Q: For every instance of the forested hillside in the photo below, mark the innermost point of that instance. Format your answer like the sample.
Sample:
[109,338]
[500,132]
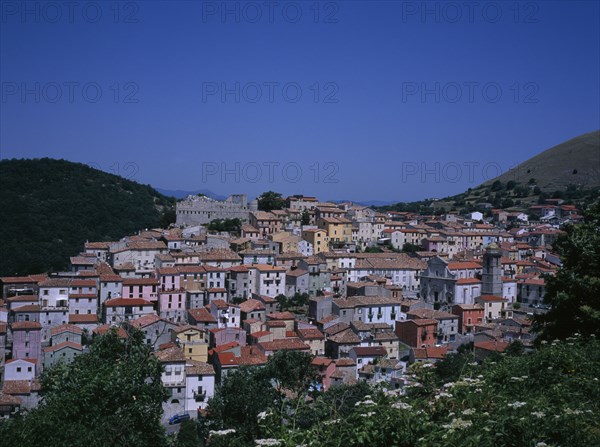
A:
[51,207]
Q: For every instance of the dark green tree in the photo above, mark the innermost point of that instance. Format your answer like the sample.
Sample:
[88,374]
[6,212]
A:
[244,394]
[188,435]
[497,185]
[373,250]
[270,200]
[574,292]
[110,396]
[305,217]
[410,248]
[283,302]
[292,370]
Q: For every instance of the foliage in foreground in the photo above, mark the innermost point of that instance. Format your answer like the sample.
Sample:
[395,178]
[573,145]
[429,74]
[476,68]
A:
[550,397]
[574,292]
[111,396]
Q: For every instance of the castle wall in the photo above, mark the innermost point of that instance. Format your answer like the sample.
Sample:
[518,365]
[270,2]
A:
[196,210]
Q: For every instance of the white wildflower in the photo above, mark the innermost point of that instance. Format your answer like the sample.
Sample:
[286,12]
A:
[267,442]
[468,412]
[538,414]
[401,406]
[333,421]
[517,404]
[364,402]
[443,394]
[541,444]
[458,424]
[221,432]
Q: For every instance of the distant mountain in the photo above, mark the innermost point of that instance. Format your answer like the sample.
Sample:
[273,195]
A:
[181,194]
[51,207]
[573,162]
[366,202]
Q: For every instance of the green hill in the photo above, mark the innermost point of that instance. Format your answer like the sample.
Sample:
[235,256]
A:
[51,207]
[568,171]
[574,162]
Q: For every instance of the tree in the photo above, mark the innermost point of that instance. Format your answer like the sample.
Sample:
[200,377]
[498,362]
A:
[110,396]
[305,217]
[301,299]
[574,292]
[291,370]
[230,225]
[269,201]
[188,435]
[410,248]
[244,394]
[283,302]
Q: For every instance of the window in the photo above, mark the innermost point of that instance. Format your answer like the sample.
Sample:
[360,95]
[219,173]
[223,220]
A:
[18,369]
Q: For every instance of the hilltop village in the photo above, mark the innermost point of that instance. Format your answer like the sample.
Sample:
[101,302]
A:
[366,293]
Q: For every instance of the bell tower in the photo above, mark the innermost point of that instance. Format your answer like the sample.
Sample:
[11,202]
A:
[491,281]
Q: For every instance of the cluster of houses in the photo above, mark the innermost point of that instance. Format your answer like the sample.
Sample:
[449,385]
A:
[210,303]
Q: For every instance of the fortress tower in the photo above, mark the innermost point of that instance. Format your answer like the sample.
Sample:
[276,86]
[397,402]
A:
[491,281]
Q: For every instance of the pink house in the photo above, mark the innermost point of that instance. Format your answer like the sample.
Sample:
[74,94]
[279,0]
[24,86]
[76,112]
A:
[27,342]
[223,336]
[168,278]
[326,367]
[171,305]
[144,288]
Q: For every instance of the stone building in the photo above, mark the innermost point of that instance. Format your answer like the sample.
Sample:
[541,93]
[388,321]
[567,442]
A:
[199,210]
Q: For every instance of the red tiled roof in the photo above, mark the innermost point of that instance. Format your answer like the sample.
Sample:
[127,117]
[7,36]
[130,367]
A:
[140,282]
[285,344]
[431,352]
[492,345]
[66,344]
[26,325]
[202,315]
[83,318]
[370,351]
[460,281]
[144,321]
[311,334]
[491,299]
[101,330]
[117,302]
[463,265]
[65,328]
[281,316]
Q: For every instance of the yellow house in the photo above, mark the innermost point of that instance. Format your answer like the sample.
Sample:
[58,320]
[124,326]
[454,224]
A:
[339,229]
[318,238]
[289,242]
[193,342]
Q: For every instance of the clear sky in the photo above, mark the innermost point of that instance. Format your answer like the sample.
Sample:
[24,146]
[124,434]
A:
[362,100]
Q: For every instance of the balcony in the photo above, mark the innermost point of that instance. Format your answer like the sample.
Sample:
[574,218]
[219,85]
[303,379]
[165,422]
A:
[199,397]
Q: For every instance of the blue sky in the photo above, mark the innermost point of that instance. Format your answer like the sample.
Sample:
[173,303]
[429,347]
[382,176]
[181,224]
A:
[363,100]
